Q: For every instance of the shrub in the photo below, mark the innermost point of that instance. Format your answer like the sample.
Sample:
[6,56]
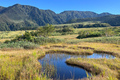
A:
[86,34]
[66,30]
[19,44]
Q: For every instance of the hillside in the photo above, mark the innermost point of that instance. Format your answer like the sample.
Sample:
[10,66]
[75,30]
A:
[68,15]
[1,8]
[18,16]
[111,19]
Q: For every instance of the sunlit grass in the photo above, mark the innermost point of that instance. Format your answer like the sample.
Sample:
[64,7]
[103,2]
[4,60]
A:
[23,64]
[66,37]
[11,34]
[106,69]
[84,23]
[20,65]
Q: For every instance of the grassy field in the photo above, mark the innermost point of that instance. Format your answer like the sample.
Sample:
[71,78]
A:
[23,64]
[84,23]
[10,34]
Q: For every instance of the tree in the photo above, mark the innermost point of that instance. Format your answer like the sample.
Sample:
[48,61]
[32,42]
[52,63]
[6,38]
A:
[67,30]
[27,36]
[45,30]
[109,32]
[82,34]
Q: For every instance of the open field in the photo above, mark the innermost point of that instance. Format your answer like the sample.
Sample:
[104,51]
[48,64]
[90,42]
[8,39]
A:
[10,34]
[71,39]
[7,35]
[22,64]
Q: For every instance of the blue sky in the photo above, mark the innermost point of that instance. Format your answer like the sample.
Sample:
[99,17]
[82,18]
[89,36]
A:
[98,6]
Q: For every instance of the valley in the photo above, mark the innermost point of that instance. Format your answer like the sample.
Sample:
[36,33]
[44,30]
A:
[38,44]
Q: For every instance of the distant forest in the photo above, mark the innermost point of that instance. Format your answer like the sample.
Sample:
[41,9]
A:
[89,25]
[113,20]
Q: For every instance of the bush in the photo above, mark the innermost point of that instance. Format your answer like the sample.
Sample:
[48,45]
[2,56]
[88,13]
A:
[66,30]
[86,34]
[27,44]
[19,44]
[118,34]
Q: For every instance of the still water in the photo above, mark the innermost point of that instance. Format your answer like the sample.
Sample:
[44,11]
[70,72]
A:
[58,67]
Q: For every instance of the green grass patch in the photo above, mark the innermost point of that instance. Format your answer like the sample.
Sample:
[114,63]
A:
[46,40]
[112,40]
[19,45]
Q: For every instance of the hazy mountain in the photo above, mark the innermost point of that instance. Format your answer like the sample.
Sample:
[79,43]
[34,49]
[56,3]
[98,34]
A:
[18,16]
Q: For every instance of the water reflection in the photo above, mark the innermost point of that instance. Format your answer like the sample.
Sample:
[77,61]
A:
[63,71]
[97,56]
[55,67]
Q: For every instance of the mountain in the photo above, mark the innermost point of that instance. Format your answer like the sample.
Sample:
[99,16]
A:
[68,15]
[18,16]
[113,20]
[1,8]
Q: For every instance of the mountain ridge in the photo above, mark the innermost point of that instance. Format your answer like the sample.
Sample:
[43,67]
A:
[113,20]
[18,16]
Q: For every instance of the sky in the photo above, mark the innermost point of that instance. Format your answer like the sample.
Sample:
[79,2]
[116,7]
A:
[58,6]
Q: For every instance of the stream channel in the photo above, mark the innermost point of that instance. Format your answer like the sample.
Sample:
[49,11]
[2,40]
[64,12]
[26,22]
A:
[55,67]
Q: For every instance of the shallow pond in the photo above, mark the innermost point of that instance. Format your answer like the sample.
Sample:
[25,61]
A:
[54,65]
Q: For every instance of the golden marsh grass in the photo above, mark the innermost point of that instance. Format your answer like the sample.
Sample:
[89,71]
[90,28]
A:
[25,62]
[21,64]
